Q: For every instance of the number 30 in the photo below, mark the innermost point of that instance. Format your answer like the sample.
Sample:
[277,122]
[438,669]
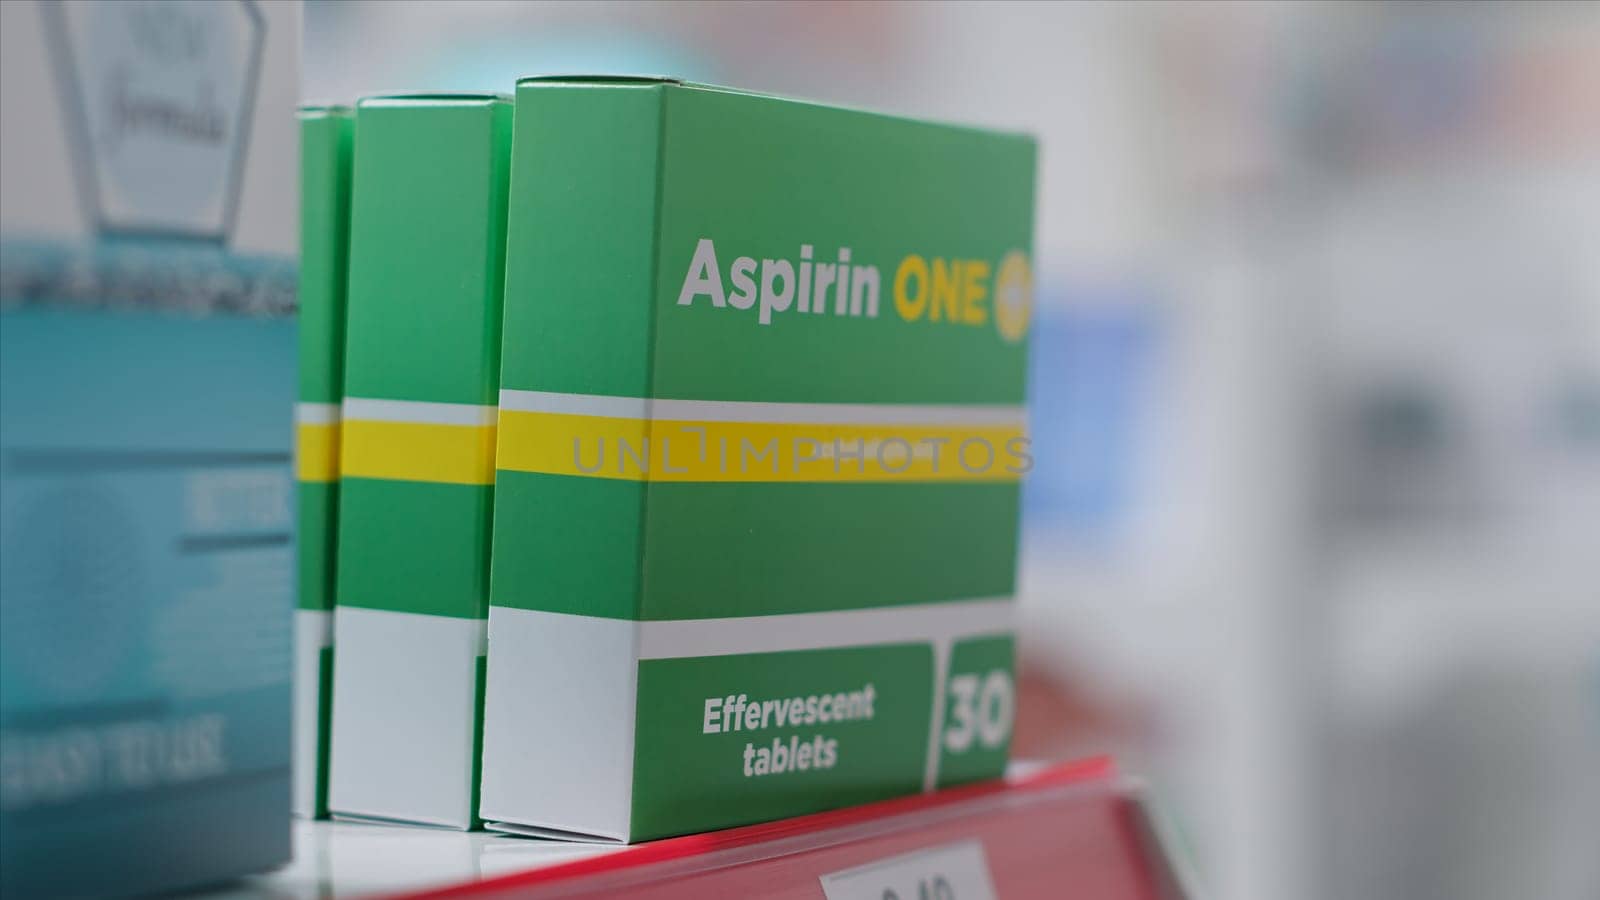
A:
[982,712]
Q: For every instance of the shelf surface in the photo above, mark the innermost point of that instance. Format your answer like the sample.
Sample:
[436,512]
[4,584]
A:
[1043,827]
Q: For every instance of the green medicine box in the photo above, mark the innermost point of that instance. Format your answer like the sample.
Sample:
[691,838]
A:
[761,440]
[325,140]
[427,243]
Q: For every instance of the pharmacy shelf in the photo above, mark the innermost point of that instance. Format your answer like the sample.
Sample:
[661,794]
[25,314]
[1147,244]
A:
[1042,830]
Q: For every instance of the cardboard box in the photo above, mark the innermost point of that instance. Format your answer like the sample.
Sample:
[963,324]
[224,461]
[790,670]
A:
[762,430]
[422,362]
[147,346]
[325,144]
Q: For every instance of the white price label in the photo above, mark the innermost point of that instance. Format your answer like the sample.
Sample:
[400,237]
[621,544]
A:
[951,872]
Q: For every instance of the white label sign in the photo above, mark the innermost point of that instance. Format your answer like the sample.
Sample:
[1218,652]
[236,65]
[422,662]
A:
[165,90]
[951,872]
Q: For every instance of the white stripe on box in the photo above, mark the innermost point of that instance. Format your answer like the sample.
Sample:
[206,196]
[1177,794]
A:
[998,415]
[316,413]
[927,622]
[419,412]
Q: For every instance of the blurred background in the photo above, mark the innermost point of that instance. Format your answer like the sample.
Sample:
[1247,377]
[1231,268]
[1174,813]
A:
[1313,541]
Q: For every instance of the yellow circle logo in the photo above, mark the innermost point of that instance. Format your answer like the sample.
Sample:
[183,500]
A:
[1013,296]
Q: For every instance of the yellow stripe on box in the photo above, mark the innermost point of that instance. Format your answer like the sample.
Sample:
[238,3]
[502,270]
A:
[418,451]
[705,451]
[316,452]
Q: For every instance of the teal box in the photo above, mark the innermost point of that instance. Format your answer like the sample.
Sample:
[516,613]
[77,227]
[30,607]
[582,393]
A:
[147,381]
